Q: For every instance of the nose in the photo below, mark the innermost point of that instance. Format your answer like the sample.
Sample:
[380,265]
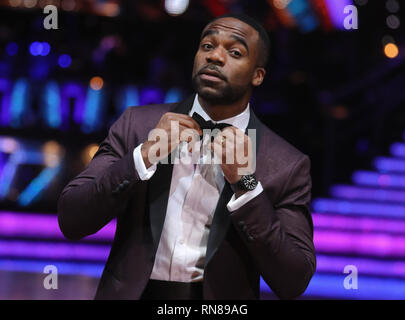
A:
[216,56]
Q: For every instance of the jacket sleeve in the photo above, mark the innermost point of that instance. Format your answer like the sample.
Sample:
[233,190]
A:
[280,237]
[100,192]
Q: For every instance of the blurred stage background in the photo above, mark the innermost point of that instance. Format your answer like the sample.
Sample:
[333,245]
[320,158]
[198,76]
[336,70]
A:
[336,94]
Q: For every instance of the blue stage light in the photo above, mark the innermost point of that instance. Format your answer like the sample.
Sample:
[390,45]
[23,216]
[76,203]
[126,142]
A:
[51,105]
[331,286]
[92,116]
[12,49]
[64,61]
[45,49]
[19,102]
[173,95]
[36,48]
[127,97]
[37,186]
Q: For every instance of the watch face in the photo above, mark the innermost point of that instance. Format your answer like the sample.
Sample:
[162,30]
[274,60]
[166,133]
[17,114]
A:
[249,182]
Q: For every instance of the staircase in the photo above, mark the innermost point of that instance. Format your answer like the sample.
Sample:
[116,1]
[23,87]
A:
[363,225]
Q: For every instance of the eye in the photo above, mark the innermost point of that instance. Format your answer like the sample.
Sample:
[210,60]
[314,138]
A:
[236,53]
[206,46]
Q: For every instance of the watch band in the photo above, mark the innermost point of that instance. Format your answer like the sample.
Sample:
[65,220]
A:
[246,183]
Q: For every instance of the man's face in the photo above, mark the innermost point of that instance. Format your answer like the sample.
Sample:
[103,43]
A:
[225,65]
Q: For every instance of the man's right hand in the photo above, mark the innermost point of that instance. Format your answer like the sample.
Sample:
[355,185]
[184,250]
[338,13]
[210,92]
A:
[172,129]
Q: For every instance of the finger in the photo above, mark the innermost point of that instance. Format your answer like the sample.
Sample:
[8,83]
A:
[186,120]
[191,136]
[218,150]
[224,138]
[187,134]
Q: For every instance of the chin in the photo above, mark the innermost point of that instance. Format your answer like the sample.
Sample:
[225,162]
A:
[210,94]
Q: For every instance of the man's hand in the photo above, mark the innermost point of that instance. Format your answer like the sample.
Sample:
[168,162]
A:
[172,129]
[234,150]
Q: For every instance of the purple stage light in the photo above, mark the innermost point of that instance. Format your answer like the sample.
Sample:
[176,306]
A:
[385,164]
[336,11]
[369,178]
[46,227]
[358,224]
[35,266]
[398,149]
[57,251]
[365,266]
[377,245]
[43,226]
[359,208]
[151,95]
[362,193]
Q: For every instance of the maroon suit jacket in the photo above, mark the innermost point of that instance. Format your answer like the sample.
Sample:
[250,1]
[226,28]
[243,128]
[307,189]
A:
[270,236]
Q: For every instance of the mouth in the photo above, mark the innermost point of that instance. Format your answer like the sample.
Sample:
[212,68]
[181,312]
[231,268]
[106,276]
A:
[211,75]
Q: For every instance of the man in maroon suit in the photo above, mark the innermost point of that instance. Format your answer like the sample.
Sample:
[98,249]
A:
[198,229]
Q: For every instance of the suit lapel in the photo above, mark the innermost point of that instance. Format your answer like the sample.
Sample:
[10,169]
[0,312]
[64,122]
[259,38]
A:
[159,184]
[221,219]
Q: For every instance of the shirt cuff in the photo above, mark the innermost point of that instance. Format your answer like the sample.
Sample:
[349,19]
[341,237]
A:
[235,204]
[143,172]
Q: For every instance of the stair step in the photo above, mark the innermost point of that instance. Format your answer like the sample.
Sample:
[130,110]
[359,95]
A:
[350,243]
[332,286]
[398,149]
[364,266]
[63,267]
[44,226]
[386,164]
[376,179]
[367,193]
[357,224]
[54,250]
[362,208]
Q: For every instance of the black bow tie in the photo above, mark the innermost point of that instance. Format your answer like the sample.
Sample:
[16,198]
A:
[204,124]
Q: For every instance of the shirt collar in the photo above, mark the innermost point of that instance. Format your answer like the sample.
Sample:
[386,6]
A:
[239,121]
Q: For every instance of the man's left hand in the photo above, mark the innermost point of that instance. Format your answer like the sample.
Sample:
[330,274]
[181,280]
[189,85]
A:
[234,150]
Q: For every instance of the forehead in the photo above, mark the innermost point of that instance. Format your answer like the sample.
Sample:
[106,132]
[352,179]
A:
[229,26]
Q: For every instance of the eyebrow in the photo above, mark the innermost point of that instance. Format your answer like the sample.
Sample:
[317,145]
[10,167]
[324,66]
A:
[210,32]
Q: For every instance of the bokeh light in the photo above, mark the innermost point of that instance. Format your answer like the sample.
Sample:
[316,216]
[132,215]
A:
[12,49]
[391,50]
[96,83]
[89,152]
[64,61]
[176,7]
[52,152]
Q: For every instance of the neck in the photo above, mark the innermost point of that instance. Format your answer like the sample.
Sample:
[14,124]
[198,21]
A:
[218,112]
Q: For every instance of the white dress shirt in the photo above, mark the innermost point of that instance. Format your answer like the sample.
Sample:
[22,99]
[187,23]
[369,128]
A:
[194,192]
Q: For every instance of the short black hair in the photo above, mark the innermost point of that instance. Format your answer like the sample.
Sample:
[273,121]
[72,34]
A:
[264,49]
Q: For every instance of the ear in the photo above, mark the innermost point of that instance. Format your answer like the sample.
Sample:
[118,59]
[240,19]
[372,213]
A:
[258,76]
